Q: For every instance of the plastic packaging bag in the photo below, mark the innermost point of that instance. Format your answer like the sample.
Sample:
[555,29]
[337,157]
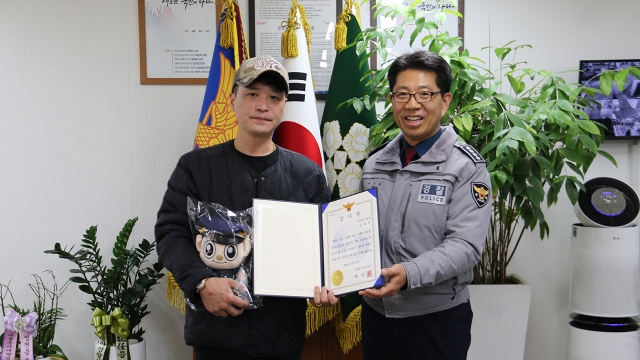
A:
[223,239]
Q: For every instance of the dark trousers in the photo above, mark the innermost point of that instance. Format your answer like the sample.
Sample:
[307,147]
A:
[217,354]
[444,335]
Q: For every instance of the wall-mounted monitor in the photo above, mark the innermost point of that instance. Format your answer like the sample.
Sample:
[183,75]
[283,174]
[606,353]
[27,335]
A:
[620,111]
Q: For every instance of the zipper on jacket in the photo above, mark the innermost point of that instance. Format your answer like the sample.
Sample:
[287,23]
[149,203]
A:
[404,213]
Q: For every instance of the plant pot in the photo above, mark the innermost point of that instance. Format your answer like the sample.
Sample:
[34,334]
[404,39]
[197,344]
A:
[137,350]
[500,319]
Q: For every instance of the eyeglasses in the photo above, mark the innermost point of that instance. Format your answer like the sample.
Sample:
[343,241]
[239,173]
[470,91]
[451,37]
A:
[421,97]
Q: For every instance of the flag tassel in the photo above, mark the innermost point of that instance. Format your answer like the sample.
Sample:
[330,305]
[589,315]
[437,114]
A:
[317,317]
[175,294]
[226,28]
[350,7]
[349,331]
[289,42]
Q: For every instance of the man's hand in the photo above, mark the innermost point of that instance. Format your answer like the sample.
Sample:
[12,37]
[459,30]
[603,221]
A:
[218,297]
[323,297]
[397,279]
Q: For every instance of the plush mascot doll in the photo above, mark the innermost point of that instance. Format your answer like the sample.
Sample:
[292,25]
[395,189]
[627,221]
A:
[223,240]
[223,248]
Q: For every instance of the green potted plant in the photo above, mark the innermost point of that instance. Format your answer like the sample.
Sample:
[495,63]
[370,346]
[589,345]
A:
[117,291]
[527,134]
[49,313]
[529,125]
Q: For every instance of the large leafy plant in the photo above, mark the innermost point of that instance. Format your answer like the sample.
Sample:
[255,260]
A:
[530,125]
[125,284]
[49,313]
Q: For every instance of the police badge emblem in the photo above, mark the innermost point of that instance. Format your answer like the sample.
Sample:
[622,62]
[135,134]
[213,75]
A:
[480,193]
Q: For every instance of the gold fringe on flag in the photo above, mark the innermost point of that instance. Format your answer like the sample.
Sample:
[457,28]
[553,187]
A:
[228,29]
[350,7]
[349,331]
[175,294]
[306,26]
[317,317]
[289,44]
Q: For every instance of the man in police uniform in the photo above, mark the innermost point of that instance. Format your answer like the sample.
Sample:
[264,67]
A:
[435,201]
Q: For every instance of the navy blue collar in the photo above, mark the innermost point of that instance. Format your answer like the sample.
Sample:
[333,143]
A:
[422,147]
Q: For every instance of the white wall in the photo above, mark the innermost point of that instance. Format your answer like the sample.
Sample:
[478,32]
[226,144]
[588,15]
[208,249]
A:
[83,143]
[561,33]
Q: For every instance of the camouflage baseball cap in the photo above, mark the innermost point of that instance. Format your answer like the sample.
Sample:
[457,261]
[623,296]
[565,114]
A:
[251,68]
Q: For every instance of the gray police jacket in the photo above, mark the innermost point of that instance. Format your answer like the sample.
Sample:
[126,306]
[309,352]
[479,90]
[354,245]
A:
[434,217]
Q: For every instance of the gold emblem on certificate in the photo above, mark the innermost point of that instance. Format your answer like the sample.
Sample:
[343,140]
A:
[337,277]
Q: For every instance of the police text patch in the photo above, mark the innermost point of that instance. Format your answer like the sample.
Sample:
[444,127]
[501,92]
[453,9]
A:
[432,193]
[480,193]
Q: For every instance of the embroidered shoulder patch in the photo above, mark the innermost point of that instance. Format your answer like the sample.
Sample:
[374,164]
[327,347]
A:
[480,193]
[472,153]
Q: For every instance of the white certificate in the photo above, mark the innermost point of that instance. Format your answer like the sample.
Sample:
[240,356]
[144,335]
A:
[299,246]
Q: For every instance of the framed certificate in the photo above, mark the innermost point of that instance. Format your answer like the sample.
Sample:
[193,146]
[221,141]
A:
[266,18]
[298,246]
[176,40]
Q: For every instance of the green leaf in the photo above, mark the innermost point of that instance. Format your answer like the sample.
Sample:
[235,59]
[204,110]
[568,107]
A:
[608,157]
[78,280]
[606,80]
[572,190]
[474,105]
[588,143]
[589,126]
[516,85]
[565,105]
[621,79]
[554,189]
[358,105]
[86,289]
[523,135]
[575,168]
[515,119]
[502,52]
[467,122]
[538,189]
[507,99]
[561,118]
[501,176]
[544,163]
[571,155]
[414,35]
[519,187]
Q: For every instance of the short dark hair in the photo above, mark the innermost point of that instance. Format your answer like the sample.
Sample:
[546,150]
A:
[269,78]
[422,60]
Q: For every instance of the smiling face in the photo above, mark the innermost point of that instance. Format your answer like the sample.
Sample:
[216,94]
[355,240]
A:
[220,256]
[259,109]
[419,121]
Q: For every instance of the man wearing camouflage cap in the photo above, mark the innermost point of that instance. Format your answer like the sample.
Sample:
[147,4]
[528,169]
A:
[232,174]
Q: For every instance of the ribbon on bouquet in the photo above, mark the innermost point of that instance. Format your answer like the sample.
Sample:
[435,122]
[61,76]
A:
[14,326]
[119,326]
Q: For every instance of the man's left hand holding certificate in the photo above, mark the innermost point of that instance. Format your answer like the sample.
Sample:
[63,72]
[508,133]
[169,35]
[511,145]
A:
[298,246]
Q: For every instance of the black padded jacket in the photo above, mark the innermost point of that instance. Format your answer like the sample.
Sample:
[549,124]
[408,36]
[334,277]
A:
[217,174]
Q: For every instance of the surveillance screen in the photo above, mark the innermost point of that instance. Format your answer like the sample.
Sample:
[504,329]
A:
[620,111]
